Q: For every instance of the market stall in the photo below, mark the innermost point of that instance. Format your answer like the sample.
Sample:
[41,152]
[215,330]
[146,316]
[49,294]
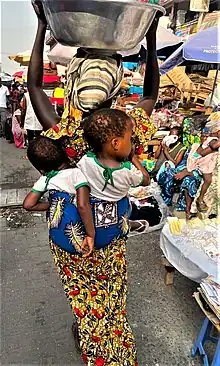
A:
[191,247]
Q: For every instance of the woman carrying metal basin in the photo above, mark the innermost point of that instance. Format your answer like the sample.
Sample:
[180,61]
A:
[102,329]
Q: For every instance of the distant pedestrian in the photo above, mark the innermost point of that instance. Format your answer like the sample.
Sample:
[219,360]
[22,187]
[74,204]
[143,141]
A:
[15,95]
[17,126]
[59,91]
[31,124]
[4,96]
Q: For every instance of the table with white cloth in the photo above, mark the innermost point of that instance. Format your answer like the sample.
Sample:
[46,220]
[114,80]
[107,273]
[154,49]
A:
[193,252]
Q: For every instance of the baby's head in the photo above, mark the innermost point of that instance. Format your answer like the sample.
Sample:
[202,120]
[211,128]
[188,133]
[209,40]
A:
[176,131]
[46,154]
[109,131]
[167,165]
[205,134]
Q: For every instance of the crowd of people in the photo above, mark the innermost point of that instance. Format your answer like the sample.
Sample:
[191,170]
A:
[88,160]
[18,122]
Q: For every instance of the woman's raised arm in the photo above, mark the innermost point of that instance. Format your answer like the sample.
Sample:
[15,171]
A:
[152,77]
[41,104]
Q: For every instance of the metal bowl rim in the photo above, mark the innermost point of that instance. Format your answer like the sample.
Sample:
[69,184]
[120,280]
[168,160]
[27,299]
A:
[132,3]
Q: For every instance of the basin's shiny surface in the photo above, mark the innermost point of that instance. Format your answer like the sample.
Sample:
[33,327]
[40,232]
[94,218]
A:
[103,24]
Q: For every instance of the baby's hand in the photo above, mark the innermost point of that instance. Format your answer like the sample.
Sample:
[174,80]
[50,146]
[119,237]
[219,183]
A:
[87,246]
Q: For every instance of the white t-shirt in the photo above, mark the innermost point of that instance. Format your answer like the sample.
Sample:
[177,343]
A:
[31,122]
[107,183]
[4,93]
[67,180]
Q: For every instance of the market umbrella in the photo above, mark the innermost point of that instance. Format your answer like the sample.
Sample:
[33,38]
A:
[23,58]
[47,79]
[201,47]
[19,74]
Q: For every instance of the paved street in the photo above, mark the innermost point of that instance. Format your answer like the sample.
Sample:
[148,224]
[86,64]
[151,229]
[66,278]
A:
[36,319]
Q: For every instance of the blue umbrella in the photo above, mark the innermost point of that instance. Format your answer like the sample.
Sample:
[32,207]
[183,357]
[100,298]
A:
[201,47]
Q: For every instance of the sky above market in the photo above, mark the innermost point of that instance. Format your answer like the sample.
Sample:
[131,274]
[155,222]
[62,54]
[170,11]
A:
[18,26]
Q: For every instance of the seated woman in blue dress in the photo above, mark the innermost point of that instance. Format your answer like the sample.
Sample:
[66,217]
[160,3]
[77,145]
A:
[189,183]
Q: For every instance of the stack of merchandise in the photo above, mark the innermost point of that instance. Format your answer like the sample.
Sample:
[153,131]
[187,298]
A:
[210,291]
[208,298]
[132,82]
[165,117]
[203,85]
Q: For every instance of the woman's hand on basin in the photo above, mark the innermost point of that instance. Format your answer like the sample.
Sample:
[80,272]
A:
[39,10]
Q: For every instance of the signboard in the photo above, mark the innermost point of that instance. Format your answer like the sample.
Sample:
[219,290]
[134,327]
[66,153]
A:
[201,6]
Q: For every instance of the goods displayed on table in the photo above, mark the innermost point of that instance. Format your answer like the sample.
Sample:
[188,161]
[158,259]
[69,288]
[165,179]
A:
[203,234]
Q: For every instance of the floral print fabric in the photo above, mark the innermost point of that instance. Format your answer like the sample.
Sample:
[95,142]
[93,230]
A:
[143,131]
[70,132]
[96,289]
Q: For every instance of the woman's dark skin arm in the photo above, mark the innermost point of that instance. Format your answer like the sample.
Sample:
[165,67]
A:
[152,77]
[19,120]
[178,158]
[184,173]
[41,104]
[23,110]
[158,151]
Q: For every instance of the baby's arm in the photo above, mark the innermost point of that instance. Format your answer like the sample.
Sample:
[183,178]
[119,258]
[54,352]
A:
[137,178]
[81,185]
[32,202]
[213,146]
[85,211]
[136,162]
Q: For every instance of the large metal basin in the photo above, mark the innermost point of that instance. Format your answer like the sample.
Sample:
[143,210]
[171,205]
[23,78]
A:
[103,24]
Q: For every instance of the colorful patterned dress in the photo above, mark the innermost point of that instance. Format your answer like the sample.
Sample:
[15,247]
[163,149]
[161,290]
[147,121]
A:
[96,287]
[190,183]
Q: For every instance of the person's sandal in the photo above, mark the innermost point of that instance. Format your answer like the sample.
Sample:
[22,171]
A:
[75,332]
[190,216]
[143,226]
[201,206]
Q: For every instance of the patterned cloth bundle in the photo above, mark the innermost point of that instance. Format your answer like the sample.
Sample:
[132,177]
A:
[93,78]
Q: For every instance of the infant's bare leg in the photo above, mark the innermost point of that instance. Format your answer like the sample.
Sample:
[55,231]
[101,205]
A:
[207,181]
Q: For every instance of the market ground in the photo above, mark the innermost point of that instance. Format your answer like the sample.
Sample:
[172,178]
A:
[35,317]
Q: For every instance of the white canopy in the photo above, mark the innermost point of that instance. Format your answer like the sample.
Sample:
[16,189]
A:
[165,38]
